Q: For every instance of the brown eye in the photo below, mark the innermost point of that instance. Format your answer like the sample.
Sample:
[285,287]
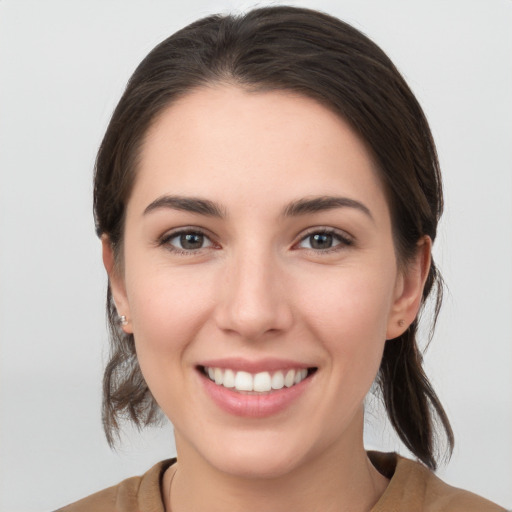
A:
[324,240]
[192,241]
[321,241]
[188,241]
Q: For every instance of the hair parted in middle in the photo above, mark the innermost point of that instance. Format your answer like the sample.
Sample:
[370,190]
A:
[321,57]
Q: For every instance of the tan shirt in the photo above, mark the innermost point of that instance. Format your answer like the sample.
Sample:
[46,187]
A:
[412,488]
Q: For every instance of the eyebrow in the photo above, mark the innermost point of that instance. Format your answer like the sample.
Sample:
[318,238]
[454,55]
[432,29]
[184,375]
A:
[187,204]
[322,203]
[293,209]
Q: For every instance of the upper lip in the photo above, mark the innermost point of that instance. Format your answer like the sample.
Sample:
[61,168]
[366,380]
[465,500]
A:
[254,366]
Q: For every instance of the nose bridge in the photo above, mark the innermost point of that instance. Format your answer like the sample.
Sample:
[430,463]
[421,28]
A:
[253,301]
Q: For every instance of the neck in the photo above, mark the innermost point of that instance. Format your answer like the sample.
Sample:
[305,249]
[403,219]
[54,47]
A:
[337,480]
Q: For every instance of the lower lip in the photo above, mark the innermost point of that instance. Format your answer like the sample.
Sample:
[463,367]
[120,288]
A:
[254,406]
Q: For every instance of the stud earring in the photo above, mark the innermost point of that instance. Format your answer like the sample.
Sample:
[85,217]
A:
[122,320]
[401,322]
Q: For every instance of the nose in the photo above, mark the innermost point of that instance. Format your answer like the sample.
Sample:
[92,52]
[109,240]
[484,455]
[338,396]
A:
[254,301]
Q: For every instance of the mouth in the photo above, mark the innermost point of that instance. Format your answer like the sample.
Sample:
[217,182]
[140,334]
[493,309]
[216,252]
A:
[261,383]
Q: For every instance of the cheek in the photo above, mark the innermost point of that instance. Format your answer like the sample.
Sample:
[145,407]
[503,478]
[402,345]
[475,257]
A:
[349,315]
[167,309]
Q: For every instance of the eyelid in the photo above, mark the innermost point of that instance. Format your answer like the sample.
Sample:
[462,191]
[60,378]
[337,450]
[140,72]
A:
[164,239]
[342,236]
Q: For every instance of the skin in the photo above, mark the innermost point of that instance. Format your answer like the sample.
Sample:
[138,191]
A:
[256,288]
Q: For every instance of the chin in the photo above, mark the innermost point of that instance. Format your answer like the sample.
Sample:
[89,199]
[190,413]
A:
[265,456]
[257,465]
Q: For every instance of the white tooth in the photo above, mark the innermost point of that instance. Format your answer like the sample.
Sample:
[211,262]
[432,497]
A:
[229,379]
[243,381]
[304,373]
[298,377]
[277,380]
[218,376]
[211,373]
[290,377]
[262,382]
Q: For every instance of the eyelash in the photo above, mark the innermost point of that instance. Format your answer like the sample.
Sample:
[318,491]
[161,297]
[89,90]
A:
[166,239]
[340,237]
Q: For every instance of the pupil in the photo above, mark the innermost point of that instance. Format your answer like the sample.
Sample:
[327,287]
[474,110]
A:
[321,241]
[191,241]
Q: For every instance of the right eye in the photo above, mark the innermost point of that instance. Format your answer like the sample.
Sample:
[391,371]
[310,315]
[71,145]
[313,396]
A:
[187,241]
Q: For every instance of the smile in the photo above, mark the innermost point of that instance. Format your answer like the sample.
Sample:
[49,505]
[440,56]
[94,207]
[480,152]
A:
[261,382]
[255,388]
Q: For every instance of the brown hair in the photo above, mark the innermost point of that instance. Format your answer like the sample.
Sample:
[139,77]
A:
[316,55]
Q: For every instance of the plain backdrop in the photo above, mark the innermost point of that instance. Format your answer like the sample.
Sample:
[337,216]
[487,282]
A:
[63,66]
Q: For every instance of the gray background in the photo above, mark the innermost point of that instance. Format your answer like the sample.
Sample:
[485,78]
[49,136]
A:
[63,66]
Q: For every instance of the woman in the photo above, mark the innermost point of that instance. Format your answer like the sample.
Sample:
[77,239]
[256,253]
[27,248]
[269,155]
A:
[267,194]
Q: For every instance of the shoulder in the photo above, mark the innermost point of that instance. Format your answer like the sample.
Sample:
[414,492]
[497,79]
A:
[130,495]
[414,488]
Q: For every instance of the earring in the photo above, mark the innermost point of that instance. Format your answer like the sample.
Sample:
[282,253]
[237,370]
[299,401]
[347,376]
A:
[401,322]
[122,320]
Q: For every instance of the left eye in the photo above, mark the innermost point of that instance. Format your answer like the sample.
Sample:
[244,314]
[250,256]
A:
[188,241]
[323,240]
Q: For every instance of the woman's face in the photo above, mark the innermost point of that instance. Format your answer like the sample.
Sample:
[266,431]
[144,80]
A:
[260,278]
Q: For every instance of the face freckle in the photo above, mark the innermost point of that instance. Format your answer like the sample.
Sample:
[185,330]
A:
[268,243]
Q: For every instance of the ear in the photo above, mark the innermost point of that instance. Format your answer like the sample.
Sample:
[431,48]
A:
[116,282]
[409,290]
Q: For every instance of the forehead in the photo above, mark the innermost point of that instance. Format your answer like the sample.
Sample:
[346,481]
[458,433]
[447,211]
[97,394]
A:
[280,144]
